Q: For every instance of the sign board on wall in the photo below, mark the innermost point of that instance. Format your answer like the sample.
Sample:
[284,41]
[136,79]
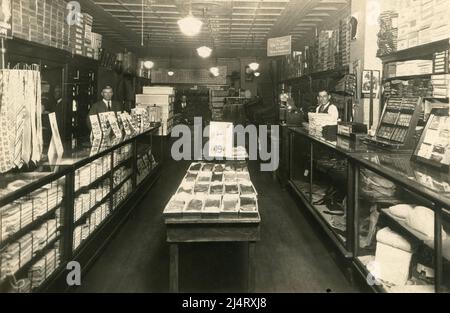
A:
[5,19]
[279,46]
[190,76]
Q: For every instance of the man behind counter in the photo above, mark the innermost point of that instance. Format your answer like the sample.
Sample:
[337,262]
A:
[105,105]
[325,105]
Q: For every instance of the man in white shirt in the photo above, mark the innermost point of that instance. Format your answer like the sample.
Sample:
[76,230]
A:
[325,105]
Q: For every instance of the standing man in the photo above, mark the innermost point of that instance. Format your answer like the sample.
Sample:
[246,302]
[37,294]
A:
[325,105]
[105,105]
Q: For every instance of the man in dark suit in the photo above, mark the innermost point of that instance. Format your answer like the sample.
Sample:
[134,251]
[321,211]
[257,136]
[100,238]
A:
[105,105]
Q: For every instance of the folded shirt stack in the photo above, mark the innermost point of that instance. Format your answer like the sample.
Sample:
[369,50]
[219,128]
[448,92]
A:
[10,217]
[43,268]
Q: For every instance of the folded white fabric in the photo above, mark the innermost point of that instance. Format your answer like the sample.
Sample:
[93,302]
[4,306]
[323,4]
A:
[401,211]
[421,219]
[390,238]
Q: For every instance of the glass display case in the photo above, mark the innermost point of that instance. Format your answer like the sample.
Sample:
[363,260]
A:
[67,208]
[396,222]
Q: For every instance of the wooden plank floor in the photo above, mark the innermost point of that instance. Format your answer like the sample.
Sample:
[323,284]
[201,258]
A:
[291,256]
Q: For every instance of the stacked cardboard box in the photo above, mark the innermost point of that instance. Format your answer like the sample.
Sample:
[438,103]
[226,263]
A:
[422,22]
[441,86]
[388,35]
[344,42]
[97,42]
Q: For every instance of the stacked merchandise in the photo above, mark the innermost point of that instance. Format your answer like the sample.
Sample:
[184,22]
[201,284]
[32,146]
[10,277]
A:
[422,21]
[215,190]
[162,97]
[346,85]
[97,42]
[324,43]
[77,36]
[441,61]
[388,35]
[217,102]
[121,174]
[88,50]
[318,121]
[22,212]
[293,65]
[417,87]
[122,194]
[141,118]
[410,68]
[87,200]
[41,21]
[21,142]
[122,154]
[91,172]
[82,232]
[441,86]
[344,43]
[45,267]
[19,253]
[145,164]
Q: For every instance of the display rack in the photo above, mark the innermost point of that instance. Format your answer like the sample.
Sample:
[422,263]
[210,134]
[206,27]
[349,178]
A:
[376,181]
[100,217]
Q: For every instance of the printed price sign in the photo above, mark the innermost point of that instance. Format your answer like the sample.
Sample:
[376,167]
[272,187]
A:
[279,46]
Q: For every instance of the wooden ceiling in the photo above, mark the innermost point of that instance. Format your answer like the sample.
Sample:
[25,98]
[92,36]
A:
[231,27]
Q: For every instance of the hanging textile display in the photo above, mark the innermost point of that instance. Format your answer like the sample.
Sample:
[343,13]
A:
[21,141]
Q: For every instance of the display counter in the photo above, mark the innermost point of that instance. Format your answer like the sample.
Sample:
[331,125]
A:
[382,211]
[67,208]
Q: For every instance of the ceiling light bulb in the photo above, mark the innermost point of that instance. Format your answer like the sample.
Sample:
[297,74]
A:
[214,70]
[254,66]
[170,73]
[257,74]
[190,25]
[204,52]
[149,65]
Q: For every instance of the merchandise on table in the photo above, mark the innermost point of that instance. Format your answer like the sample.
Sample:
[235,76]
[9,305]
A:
[216,189]
[230,206]
[176,206]
[212,206]
[194,207]
[231,188]
[248,206]
[201,188]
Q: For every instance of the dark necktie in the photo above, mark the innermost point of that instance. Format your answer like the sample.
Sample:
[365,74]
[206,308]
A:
[109,105]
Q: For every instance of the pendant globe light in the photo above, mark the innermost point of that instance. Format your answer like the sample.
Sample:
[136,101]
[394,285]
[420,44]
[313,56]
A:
[204,52]
[254,66]
[190,25]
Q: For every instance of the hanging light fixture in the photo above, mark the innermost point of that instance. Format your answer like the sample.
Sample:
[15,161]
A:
[204,52]
[254,66]
[257,74]
[149,64]
[214,71]
[170,73]
[190,25]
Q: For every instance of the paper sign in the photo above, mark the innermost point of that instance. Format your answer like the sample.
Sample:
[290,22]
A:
[96,133]
[114,124]
[125,123]
[220,140]
[104,124]
[56,148]
[96,144]
[279,46]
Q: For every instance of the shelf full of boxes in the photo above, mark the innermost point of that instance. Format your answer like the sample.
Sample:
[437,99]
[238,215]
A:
[158,101]
[45,223]
[45,22]
[415,49]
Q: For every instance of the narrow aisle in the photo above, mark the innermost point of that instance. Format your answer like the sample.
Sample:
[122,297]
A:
[290,257]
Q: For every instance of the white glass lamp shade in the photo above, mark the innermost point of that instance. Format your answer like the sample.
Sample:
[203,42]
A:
[204,52]
[214,71]
[254,66]
[149,65]
[170,73]
[190,25]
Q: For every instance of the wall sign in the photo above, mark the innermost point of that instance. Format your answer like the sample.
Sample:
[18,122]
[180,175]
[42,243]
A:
[279,46]
[5,19]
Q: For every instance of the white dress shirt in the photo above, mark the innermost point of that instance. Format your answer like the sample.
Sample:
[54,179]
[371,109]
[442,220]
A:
[108,104]
[332,110]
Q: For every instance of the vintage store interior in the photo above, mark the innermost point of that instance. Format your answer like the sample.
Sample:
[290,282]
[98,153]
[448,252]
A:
[342,185]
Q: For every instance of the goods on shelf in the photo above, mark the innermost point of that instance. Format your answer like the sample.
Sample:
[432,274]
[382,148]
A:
[416,87]
[19,253]
[22,212]
[91,172]
[121,174]
[214,190]
[82,232]
[217,102]
[122,194]
[122,154]
[45,267]
[441,62]
[85,201]
[388,35]
[145,164]
[21,142]
[441,86]
[163,98]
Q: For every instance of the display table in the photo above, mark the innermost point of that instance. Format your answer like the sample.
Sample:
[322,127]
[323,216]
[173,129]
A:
[188,230]
[214,203]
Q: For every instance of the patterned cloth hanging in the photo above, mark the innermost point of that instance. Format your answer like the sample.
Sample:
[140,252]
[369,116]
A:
[20,118]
